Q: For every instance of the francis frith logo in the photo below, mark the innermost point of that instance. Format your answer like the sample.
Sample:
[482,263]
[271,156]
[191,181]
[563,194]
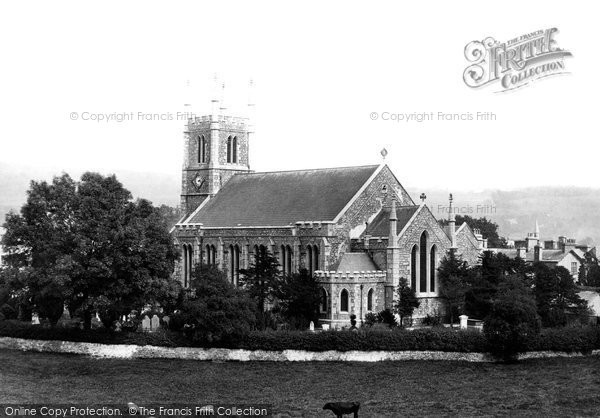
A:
[514,63]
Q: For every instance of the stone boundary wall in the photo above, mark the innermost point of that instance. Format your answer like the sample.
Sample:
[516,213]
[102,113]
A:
[224,354]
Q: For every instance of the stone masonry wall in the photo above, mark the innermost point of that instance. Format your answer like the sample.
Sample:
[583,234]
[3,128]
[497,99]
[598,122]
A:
[378,194]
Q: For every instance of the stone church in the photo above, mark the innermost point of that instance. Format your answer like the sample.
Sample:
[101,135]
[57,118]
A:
[355,228]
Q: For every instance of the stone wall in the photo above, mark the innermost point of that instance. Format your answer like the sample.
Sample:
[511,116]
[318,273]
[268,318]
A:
[377,194]
[335,282]
[223,354]
[468,245]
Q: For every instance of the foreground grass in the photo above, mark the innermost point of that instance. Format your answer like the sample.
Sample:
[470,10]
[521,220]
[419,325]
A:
[554,387]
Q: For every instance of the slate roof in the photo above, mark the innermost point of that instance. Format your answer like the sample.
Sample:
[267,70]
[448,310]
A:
[550,256]
[356,262]
[380,226]
[283,198]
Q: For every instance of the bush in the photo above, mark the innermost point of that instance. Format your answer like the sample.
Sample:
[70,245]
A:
[8,311]
[439,339]
[18,329]
[370,319]
[387,317]
[567,339]
[432,320]
[218,312]
[512,323]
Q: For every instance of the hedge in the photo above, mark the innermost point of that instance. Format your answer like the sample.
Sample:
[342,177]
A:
[567,339]
[434,339]
[18,329]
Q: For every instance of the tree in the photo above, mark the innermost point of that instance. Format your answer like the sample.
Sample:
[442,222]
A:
[487,228]
[215,311]
[589,271]
[492,270]
[556,295]
[299,298]
[453,275]
[263,282]
[91,244]
[407,300]
[513,320]
[592,277]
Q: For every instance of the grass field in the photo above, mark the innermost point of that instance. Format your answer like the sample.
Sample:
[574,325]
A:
[554,387]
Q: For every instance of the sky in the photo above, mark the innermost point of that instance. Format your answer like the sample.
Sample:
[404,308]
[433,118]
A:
[320,70]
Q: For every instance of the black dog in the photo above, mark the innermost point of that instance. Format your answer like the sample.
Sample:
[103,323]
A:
[343,408]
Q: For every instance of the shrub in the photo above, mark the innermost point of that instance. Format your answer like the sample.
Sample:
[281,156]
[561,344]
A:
[217,313]
[407,301]
[439,339]
[8,311]
[567,339]
[432,320]
[512,323]
[387,317]
[370,319]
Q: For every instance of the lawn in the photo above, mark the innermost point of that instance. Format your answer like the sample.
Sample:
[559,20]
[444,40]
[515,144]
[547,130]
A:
[554,387]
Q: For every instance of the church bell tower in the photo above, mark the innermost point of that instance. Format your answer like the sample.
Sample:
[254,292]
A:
[215,148]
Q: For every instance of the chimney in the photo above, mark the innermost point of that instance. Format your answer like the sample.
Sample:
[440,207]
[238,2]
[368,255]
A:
[538,253]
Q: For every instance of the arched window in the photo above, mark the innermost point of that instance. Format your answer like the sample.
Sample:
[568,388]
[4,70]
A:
[312,258]
[370,300]
[234,263]
[423,263]
[323,304]
[286,259]
[259,251]
[229,149]
[282,258]
[413,268]
[211,255]
[432,268]
[186,263]
[234,150]
[202,157]
[344,301]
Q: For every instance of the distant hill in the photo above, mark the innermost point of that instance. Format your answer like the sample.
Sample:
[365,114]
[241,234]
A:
[570,211]
[573,212]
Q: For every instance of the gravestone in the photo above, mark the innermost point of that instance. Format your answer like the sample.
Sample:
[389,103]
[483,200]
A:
[155,325]
[96,322]
[146,323]
[312,326]
[166,320]
[35,319]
